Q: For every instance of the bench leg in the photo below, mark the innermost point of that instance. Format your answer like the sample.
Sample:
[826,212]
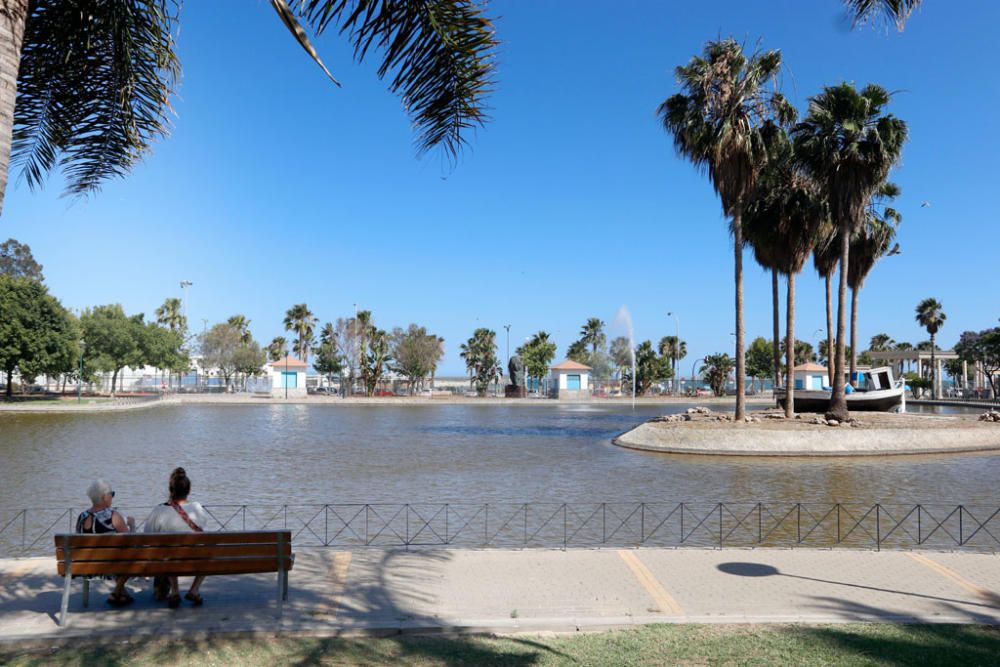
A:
[86,592]
[65,598]
[284,591]
[281,591]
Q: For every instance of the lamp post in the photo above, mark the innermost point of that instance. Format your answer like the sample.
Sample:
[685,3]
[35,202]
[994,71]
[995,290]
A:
[676,350]
[818,331]
[507,360]
[79,378]
[284,378]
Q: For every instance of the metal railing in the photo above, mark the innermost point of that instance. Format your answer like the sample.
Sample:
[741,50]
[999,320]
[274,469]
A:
[29,532]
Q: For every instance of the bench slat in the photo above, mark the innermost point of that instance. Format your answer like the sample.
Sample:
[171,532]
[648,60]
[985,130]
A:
[169,539]
[84,554]
[179,567]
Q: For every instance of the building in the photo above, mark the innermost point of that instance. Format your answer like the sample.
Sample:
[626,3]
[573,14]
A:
[811,376]
[288,377]
[570,380]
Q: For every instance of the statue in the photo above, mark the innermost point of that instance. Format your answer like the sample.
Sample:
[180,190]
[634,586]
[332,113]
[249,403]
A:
[515,368]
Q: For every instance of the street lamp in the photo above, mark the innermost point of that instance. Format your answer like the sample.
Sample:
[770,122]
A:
[507,360]
[676,349]
[79,379]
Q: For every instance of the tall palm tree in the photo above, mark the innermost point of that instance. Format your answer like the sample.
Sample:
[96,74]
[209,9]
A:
[300,321]
[241,324]
[848,144]
[94,80]
[784,217]
[592,334]
[881,343]
[873,242]
[826,256]
[715,123]
[763,251]
[673,349]
[877,11]
[931,317]
[169,314]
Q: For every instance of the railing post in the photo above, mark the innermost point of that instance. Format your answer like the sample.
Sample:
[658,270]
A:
[524,541]
[406,544]
[642,524]
[838,523]
[798,523]
[565,529]
[486,526]
[920,538]
[760,523]
[878,527]
[720,525]
[961,533]
[326,525]
[682,523]
[24,529]
[367,507]
[447,540]
[244,517]
[604,523]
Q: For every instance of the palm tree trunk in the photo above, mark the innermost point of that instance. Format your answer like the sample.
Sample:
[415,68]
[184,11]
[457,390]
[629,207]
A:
[741,367]
[838,400]
[776,321]
[854,334]
[13,16]
[10,384]
[934,373]
[790,348]
[829,322]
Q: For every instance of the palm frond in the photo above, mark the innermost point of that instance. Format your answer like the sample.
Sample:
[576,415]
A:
[94,88]
[439,55]
[876,12]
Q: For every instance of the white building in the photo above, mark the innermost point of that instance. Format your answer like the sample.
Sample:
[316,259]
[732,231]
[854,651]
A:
[811,376]
[570,380]
[288,377]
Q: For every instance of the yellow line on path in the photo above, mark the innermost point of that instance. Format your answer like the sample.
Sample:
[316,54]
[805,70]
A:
[954,577]
[663,599]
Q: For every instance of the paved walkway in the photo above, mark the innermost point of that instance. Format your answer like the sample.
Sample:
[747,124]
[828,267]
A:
[387,592]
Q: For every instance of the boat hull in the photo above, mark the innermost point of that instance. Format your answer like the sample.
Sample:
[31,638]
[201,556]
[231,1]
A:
[819,401]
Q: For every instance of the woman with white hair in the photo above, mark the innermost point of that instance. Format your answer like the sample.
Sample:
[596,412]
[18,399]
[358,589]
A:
[102,518]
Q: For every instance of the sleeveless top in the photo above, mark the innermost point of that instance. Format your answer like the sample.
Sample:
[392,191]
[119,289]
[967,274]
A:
[100,522]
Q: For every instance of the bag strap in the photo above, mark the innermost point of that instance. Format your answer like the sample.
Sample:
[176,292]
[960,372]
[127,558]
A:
[184,515]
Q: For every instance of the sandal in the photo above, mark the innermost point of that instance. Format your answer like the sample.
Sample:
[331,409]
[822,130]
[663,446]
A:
[174,601]
[195,598]
[120,600]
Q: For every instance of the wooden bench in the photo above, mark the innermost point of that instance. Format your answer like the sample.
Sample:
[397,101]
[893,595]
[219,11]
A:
[173,554]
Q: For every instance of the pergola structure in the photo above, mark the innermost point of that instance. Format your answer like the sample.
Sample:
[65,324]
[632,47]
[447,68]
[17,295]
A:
[922,357]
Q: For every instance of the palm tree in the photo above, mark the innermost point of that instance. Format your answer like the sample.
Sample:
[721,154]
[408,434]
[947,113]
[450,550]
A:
[848,144]
[877,11]
[673,349]
[931,317]
[873,242]
[169,315]
[592,334]
[300,321]
[784,217]
[715,123]
[763,253]
[480,355]
[881,343]
[826,256]
[94,80]
[241,324]
[277,348]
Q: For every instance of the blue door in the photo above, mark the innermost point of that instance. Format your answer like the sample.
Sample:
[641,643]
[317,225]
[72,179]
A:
[289,380]
[573,382]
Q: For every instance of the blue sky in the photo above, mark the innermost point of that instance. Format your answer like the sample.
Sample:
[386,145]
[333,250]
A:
[277,188]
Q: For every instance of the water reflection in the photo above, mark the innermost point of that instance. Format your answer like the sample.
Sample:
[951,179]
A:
[448,453]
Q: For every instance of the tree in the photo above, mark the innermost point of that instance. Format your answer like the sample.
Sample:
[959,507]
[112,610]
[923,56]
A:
[241,324]
[881,343]
[804,352]
[826,256]
[760,360]
[95,79]
[716,370]
[169,315]
[16,259]
[37,335]
[415,353]
[578,352]
[113,340]
[480,355]
[848,144]
[348,337]
[219,348]
[592,334]
[538,353]
[300,321]
[622,355]
[162,348]
[982,348]
[649,368]
[328,361]
[877,12]
[873,242]
[248,360]
[784,216]
[375,356]
[277,348]
[715,123]
[674,349]
[930,316]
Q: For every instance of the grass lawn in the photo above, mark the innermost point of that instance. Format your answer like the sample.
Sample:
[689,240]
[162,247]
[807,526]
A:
[857,644]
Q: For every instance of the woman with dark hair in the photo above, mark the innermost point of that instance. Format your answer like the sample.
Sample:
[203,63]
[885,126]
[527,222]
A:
[178,516]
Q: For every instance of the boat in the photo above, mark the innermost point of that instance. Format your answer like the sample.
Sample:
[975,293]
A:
[876,390]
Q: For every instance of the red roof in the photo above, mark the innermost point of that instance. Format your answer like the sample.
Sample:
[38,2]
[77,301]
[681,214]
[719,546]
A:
[290,362]
[570,365]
